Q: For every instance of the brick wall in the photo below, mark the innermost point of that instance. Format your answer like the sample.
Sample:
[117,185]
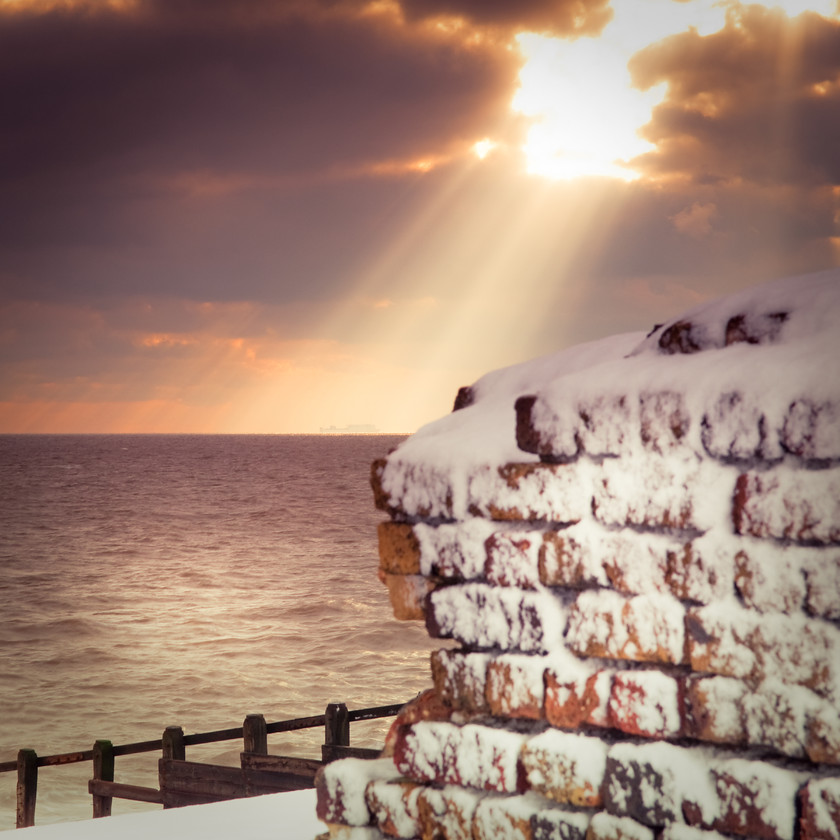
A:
[644,615]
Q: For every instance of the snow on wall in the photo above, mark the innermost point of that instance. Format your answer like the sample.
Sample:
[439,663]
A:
[634,546]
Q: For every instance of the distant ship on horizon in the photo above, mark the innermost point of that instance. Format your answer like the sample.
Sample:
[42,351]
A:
[357,429]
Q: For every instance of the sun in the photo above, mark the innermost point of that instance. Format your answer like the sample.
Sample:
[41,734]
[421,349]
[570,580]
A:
[585,113]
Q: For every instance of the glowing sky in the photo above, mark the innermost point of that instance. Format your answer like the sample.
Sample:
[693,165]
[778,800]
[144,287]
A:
[276,215]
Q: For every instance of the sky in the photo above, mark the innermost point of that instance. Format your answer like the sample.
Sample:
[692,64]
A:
[272,216]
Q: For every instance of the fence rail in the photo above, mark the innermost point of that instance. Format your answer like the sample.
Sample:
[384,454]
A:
[183,782]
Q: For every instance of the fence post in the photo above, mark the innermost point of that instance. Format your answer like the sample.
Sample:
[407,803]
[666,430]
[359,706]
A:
[256,736]
[337,728]
[103,769]
[27,787]
[173,743]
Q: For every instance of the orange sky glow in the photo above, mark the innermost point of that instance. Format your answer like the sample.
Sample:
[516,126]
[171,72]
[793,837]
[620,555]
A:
[306,214]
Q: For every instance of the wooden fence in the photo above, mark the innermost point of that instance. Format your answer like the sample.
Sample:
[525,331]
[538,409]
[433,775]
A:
[183,782]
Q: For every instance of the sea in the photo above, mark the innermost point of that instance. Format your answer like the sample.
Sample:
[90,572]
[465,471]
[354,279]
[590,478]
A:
[157,580]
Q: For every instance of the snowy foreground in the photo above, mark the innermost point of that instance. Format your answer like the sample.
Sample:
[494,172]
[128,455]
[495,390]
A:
[290,816]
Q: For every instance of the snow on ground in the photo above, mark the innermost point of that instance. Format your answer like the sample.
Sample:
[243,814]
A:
[290,816]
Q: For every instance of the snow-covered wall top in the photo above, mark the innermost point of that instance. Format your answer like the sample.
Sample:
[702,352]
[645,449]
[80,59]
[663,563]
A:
[635,545]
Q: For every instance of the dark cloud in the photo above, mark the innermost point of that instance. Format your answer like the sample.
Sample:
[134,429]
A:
[107,115]
[757,101]
[556,17]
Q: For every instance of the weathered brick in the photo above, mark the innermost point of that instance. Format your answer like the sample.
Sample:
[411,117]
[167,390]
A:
[678,494]
[529,492]
[427,705]
[340,789]
[769,578]
[408,595]
[820,817]
[557,824]
[732,641]
[605,826]
[515,685]
[399,551]
[645,628]
[812,429]
[472,755]
[566,768]
[675,831]
[460,679]
[755,799]
[775,716]
[608,425]
[447,814]
[513,559]
[665,421]
[576,693]
[454,550]
[785,503]
[639,564]
[735,428]
[645,703]
[414,489]
[394,807]
[712,710]
[482,616]
[656,783]
[822,735]
[541,431]
[568,558]
[505,817]
[720,640]
[822,579]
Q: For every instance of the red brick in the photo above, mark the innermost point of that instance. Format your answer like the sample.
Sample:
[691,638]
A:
[567,558]
[482,616]
[774,716]
[644,628]
[735,642]
[822,735]
[399,551]
[712,710]
[735,428]
[504,818]
[665,421]
[529,492]
[394,807]
[607,425]
[769,578]
[822,581]
[454,550]
[661,493]
[820,817]
[471,756]
[656,783]
[340,789]
[645,703]
[638,564]
[447,814]
[565,767]
[460,679]
[755,799]
[609,827]
[512,559]
[577,695]
[785,503]
[427,705]
[515,685]
[812,430]
[558,824]
[408,595]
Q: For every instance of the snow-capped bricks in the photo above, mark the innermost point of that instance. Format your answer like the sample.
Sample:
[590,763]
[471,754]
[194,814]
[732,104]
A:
[633,548]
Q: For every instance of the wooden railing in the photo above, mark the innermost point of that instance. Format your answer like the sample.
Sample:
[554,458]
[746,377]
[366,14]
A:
[183,782]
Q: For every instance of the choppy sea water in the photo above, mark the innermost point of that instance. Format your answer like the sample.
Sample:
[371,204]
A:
[154,580]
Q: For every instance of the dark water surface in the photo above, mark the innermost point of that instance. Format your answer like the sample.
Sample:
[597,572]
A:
[150,580]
